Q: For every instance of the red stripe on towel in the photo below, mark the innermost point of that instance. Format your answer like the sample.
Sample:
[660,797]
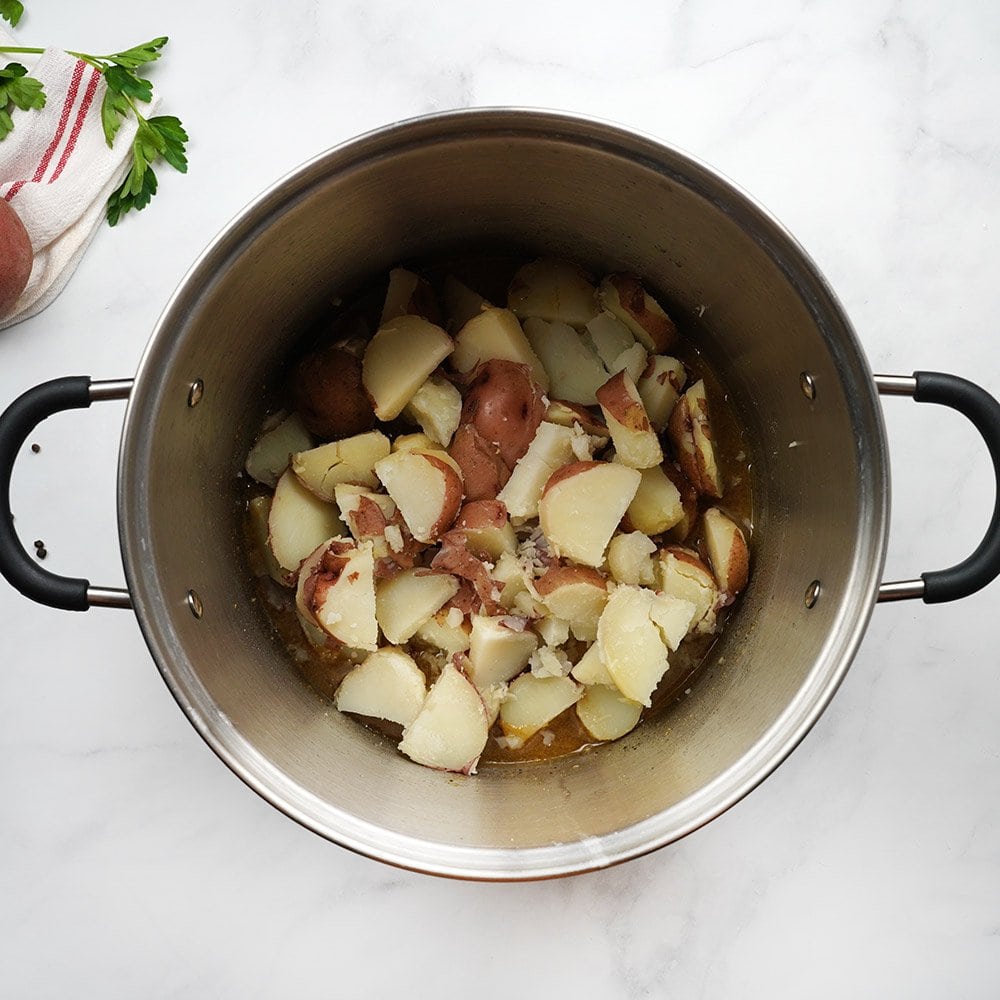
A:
[43,164]
[88,98]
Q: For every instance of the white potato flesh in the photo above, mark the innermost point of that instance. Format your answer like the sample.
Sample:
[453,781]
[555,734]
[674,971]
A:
[406,601]
[631,645]
[298,523]
[413,442]
[624,297]
[630,559]
[273,450]
[387,685]
[631,360]
[461,303]
[440,632]
[398,360]
[610,337]
[673,617]
[260,512]
[576,594]
[493,698]
[606,713]
[495,334]
[656,506]
[426,489]
[497,652]
[636,443]
[437,408]
[450,731]
[575,371]
[350,460]
[659,387]
[552,289]
[533,702]
[550,449]
[590,668]
[582,505]
[336,590]
[407,293]
[682,574]
[554,631]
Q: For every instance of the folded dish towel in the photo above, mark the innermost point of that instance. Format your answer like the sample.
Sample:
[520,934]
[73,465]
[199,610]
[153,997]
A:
[57,172]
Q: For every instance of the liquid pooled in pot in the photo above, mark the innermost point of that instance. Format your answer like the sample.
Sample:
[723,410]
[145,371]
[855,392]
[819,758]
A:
[502,511]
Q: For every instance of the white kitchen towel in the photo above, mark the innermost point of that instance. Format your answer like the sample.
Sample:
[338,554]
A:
[57,171]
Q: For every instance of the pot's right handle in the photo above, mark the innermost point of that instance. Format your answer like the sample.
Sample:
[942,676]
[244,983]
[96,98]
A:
[16,423]
[983,566]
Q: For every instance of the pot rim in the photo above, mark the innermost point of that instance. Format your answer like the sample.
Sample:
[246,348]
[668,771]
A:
[710,801]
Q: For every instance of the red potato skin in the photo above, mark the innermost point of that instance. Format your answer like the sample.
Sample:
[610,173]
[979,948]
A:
[587,420]
[632,297]
[15,258]
[370,522]
[626,408]
[482,514]
[504,403]
[567,472]
[485,473]
[329,395]
[679,429]
[453,495]
[454,557]
[564,576]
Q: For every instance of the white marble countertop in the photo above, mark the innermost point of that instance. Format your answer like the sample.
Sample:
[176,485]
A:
[133,864]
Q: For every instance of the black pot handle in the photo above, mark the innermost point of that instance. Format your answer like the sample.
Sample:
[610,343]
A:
[974,402]
[16,423]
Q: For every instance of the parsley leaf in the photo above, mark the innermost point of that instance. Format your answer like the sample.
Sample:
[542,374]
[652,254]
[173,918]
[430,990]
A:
[125,82]
[174,137]
[19,90]
[114,109]
[11,10]
[139,55]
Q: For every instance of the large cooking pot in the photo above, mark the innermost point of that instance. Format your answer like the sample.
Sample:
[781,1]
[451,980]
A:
[531,182]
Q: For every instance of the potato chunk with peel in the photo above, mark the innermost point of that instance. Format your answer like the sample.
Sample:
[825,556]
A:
[590,668]
[681,573]
[495,334]
[461,303]
[497,650]
[450,731]
[550,449]
[437,407]
[259,509]
[533,702]
[631,644]
[553,290]
[630,559]
[406,601]
[656,506]
[691,434]
[418,441]
[298,523]
[575,371]
[624,297]
[606,713]
[659,388]
[487,529]
[273,450]
[635,441]
[350,460]
[387,685]
[336,590]
[408,295]
[632,361]
[727,551]
[567,414]
[582,505]
[576,594]
[426,488]
[398,360]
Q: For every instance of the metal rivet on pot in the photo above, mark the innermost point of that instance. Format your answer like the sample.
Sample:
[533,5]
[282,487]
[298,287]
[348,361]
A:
[808,385]
[812,593]
[194,604]
[196,391]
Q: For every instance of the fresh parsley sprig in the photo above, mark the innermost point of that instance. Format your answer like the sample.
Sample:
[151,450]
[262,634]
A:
[158,138]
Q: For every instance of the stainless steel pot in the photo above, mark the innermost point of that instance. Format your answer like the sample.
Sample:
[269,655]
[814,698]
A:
[533,181]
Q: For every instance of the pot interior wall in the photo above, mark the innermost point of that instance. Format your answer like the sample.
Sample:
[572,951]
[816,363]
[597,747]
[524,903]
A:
[611,201]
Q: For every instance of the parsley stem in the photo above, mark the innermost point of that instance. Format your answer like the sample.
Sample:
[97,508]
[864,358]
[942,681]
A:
[21,48]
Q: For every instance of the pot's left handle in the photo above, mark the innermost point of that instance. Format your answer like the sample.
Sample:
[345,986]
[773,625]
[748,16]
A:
[16,423]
